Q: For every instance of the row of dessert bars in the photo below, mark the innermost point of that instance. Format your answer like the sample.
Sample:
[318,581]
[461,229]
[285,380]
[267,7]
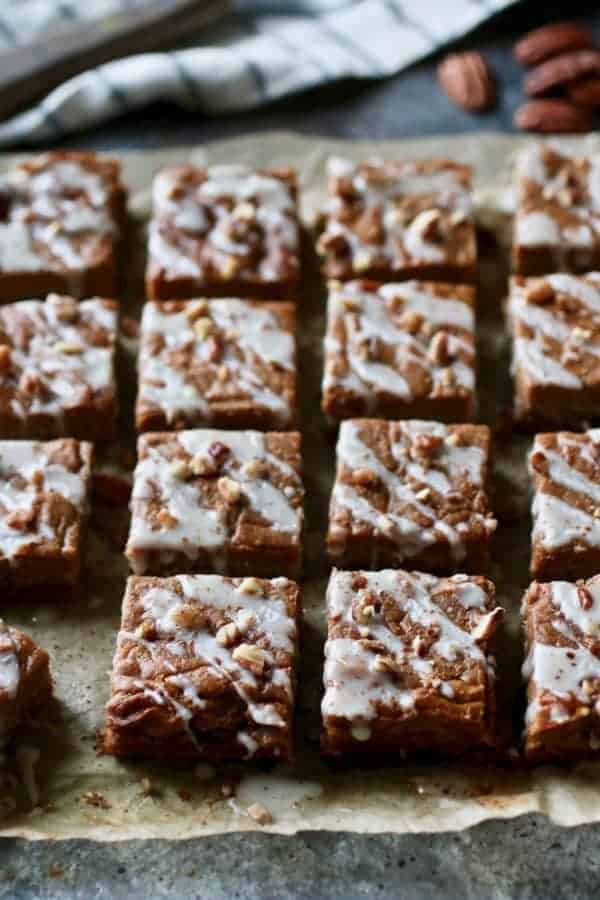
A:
[205,665]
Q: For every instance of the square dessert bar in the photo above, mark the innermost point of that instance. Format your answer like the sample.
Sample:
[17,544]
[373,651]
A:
[413,492]
[555,324]
[557,223]
[57,368]
[25,682]
[561,622]
[205,668]
[390,221]
[61,217]
[226,363]
[408,664]
[217,501]
[44,500]
[566,508]
[400,351]
[224,231]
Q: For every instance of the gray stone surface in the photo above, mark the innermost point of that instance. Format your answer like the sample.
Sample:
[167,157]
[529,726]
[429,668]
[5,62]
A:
[519,858]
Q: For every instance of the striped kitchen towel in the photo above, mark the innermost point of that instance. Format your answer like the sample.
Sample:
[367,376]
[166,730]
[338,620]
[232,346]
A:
[262,51]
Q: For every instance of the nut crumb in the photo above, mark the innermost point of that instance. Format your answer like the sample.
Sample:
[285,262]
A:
[149,788]
[250,586]
[95,798]
[260,814]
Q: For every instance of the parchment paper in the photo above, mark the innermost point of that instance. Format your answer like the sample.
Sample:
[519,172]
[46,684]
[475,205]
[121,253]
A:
[82,795]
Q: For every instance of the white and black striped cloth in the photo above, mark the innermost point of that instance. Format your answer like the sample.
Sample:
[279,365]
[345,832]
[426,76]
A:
[263,51]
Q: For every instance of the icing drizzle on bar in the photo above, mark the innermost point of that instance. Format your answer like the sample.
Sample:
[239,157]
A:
[390,214]
[58,213]
[31,473]
[183,640]
[373,667]
[566,505]
[57,354]
[566,672]
[191,518]
[400,339]
[419,487]
[223,221]
[559,199]
[556,325]
[227,359]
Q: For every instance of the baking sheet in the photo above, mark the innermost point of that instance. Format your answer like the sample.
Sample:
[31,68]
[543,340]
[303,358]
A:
[78,794]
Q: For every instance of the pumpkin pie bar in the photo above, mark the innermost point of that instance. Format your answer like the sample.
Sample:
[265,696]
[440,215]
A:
[57,368]
[61,219]
[408,663]
[391,221]
[205,668]
[566,505]
[44,500]
[400,351]
[557,223]
[217,501]
[224,231]
[223,363]
[411,492]
[561,622]
[25,681]
[555,322]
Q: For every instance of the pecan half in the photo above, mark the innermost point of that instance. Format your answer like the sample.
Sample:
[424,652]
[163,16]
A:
[467,81]
[551,40]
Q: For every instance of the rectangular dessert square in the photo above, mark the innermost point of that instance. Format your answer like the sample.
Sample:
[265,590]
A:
[205,668]
[411,491]
[57,368]
[224,231]
[44,502]
[217,501]
[408,664]
[555,323]
[61,217]
[400,351]
[557,222]
[561,622]
[565,467]
[390,221]
[25,682]
[224,363]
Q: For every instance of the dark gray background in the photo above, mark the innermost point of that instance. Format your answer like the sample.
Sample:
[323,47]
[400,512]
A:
[524,858]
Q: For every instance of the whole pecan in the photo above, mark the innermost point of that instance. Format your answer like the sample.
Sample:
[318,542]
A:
[553,117]
[561,70]
[467,81]
[550,40]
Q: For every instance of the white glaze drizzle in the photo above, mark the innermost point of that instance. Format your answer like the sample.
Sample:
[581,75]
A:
[257,335]
[355,688]
[534,356]
[450,464]
[182,203]
[562,670]
[537,227]
[556,521]
[20,461]
[403,242]
[66,377]
[196,525]
[369,316]
[269,620]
